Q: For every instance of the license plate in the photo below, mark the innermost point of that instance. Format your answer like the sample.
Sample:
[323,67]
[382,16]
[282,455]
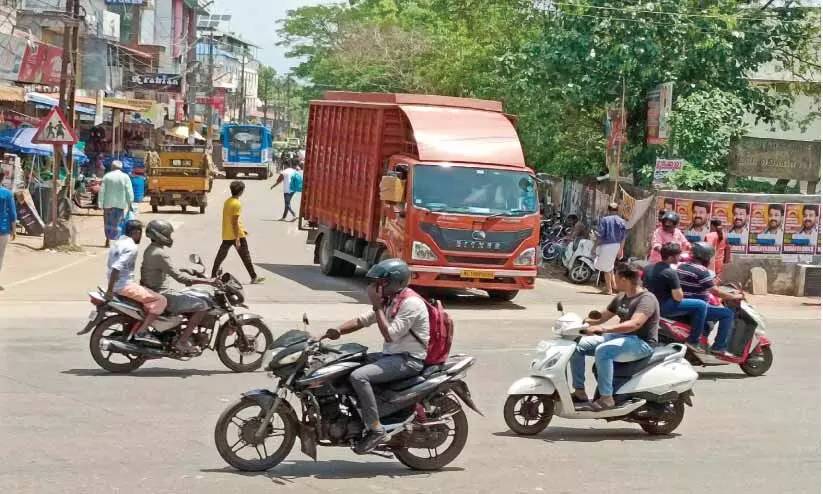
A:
[483,275]
[176,196]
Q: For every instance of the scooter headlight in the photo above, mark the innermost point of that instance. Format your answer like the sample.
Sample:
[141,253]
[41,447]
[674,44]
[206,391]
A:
[526,258]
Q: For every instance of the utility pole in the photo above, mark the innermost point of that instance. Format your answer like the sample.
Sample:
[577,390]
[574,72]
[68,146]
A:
[243,87]
[288,106]
[265,99]
[210,102]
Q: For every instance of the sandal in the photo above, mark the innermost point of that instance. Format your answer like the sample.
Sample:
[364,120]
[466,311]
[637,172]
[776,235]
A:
[599,406]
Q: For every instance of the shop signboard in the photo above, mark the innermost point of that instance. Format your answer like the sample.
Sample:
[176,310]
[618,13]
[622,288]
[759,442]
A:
[775,158]
[157,82]
[665,167]
[41,64]
[659,105]
[11,56]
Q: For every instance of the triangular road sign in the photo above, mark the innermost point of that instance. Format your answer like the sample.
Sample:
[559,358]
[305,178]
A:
[54,129]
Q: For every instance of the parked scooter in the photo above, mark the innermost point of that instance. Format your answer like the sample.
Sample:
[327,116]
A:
[748,342]
[578,259]
[651,392]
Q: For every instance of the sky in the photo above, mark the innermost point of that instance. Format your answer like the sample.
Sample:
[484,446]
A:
[255,20]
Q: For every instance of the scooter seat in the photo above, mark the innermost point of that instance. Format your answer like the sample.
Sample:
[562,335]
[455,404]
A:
[628,369]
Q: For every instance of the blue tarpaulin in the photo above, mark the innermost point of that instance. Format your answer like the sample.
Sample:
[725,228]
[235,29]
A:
[19,141]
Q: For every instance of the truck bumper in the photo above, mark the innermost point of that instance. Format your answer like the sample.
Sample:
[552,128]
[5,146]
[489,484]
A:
[484,279]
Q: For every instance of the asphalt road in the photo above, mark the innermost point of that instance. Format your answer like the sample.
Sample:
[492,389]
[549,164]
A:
[69,427]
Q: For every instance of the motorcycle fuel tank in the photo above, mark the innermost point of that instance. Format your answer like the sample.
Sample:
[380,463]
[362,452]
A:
[328,373]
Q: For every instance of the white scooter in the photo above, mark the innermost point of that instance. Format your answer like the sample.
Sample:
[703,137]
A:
[651,392]
[578,259]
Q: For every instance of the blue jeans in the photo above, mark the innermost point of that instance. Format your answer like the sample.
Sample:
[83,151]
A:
[287,199]
[725,318]
[606,350]
[692,307]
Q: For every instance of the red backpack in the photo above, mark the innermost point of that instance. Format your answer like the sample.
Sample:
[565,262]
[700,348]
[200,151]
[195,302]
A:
[441,328]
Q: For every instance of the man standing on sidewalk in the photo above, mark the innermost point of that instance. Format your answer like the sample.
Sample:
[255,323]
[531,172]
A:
[234,234]
[115,198]
[8,222]
[289,177]
[609,245]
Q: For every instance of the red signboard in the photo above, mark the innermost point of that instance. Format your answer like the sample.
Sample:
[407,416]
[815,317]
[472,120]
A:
[41,64]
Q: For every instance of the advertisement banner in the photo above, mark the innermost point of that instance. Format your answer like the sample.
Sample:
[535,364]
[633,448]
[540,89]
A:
[699,218]
[722,210]
[683,208]
[800,228]
[738,232]
[665,167]
[11,56]
[659,106]
[41,64]
[665,204]
[766,228]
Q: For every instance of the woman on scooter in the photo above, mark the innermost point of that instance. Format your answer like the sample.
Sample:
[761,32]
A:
[633,338]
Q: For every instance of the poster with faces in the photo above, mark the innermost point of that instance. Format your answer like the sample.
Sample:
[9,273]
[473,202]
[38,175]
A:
[766,228]
[694,219]
[738,229]
[801,228]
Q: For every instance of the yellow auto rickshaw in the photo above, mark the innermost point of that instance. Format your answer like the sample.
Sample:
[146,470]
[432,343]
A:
[179,175]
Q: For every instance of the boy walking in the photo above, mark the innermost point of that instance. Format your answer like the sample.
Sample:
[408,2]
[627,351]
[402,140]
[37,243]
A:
[234,234]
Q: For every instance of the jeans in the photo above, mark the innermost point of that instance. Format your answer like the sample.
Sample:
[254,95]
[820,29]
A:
[694,308]
[287,198]
[245,256]
[725,318]
[380,369]
[606,350]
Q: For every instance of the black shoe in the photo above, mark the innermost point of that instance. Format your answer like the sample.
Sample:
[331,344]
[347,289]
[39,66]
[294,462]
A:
[146,337]
[368,443]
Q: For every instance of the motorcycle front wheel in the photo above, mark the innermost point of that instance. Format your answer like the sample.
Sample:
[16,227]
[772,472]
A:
[240,356]
[234,436]
[113,328]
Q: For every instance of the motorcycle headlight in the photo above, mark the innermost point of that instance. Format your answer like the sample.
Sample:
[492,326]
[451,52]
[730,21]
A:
[526,258]
[422,252]
[290,359]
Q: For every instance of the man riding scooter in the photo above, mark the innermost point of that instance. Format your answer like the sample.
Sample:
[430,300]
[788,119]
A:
[633,338]
[154,273]
[666,233]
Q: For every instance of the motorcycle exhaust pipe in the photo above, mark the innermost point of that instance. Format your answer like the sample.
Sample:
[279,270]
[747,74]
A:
[125,347]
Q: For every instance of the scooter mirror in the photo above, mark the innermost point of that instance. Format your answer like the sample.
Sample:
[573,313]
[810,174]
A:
[559,306]
[595,314]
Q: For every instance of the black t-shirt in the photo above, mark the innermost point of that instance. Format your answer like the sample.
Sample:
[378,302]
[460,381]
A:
[645,303]
[661,279]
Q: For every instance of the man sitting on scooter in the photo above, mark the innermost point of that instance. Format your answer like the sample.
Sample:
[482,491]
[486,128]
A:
[633,338]
[662,280]
[697,282]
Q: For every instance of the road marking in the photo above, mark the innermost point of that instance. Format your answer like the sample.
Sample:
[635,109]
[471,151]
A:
[51,272]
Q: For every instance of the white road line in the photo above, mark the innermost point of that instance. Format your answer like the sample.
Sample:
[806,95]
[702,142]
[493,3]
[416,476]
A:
[51,272]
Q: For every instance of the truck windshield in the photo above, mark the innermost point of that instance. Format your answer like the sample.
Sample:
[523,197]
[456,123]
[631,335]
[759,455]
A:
[456,189]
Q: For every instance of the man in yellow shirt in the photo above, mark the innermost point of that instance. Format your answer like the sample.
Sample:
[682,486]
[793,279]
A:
[234,234]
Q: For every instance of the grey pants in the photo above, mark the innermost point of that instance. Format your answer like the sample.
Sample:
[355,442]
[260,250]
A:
[380,369]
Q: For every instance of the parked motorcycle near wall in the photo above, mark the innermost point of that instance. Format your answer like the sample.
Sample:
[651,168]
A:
[240,340]
[423,415]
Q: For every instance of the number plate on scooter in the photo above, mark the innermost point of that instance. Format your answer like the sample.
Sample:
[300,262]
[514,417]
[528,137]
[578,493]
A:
[482,275]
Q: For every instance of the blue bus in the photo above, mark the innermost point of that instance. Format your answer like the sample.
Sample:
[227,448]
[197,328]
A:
[246,149]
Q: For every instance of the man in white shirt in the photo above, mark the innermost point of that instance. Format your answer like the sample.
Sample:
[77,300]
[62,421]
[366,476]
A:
[287,178]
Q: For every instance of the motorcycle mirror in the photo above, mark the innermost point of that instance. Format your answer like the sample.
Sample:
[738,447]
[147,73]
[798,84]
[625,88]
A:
[195,259]
[595,314]
[305,319]
[559,306]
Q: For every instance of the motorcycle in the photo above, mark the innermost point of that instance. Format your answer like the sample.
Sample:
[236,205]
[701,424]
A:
[423,412]
[86,190]
[578,259]
[240,340]
[651,392]
[748,342]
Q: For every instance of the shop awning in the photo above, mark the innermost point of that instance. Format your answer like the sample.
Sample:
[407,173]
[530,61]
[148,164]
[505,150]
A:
[12,94]
[49,101]
[130,50]
[87,100]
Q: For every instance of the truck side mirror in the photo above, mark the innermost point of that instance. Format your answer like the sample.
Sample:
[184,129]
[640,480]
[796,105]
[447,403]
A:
[559,306]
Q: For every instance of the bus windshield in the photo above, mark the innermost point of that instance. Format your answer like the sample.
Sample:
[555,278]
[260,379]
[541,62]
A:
[457,189]
[245,138]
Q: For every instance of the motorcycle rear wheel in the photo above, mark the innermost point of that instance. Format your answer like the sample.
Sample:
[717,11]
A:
[104,358]
[439,459]
[228,447]
[580,273]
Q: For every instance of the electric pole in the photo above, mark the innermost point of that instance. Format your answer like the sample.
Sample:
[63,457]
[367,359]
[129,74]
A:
[243,87]
[210,102]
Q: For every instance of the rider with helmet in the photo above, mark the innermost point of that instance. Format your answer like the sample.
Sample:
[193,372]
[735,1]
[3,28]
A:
[697,282]
[154,273]
[403,321]
[666,233]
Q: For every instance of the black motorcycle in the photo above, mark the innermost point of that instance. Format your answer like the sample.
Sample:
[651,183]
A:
[423,415]
[240,340]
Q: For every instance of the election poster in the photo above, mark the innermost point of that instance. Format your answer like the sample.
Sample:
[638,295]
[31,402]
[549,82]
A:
[766,228]
[683,208]
[722,210]
[665,204]
[698,225]
[738,231]
[800,228]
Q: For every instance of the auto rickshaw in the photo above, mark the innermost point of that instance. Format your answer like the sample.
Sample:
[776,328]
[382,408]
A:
[179,175]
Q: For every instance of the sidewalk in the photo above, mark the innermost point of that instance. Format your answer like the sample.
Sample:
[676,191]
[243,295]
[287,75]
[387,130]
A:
[26,261]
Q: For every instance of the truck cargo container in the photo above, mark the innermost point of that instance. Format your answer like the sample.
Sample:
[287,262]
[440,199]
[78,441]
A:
[439,182]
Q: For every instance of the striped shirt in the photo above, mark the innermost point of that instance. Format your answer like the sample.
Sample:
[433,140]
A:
[695,280]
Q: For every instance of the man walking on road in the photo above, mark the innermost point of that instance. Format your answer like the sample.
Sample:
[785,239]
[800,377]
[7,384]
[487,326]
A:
[291,177]
[116,197]
[8,222]
[234,234]
[609,245]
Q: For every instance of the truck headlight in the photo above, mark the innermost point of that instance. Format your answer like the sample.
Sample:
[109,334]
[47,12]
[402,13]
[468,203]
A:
[526,258]
[422,252]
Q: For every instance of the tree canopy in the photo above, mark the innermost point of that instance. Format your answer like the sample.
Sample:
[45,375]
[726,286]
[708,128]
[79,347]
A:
[558,65]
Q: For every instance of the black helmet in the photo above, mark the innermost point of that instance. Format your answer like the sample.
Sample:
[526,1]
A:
[671,216]
[159,231]
[394,271]
[702,251]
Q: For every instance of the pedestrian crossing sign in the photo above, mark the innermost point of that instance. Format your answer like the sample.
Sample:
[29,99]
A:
[54,129]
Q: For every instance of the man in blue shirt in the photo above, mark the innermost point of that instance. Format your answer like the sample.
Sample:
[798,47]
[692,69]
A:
[8,221]
[609,245]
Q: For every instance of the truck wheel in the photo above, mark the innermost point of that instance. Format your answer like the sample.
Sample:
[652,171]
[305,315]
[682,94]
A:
[183,207]
[154,208]
[202,209]
[502,295]
[330,265]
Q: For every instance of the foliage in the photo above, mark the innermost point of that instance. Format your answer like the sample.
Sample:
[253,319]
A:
[703,125]
[690,177]
[558,64]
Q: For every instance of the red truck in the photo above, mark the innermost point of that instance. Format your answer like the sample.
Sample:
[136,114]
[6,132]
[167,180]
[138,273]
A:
[439,182]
